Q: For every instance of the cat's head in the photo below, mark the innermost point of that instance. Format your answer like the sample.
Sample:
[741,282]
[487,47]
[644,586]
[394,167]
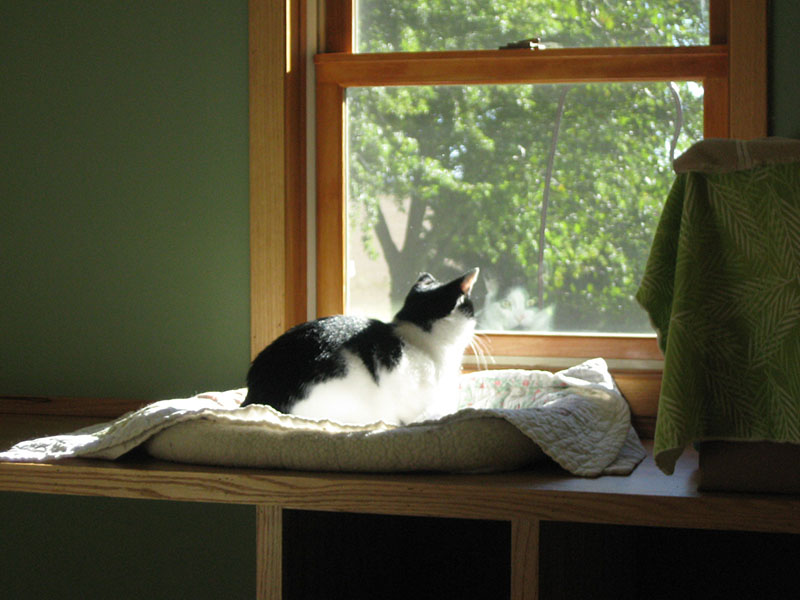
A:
[430,300]
[514,310]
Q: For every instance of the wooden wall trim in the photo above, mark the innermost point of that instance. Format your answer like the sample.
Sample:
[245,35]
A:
[267,60]
[278,293]
[747,42]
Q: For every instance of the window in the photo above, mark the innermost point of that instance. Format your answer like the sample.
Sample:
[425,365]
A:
[554,190]
[546,167]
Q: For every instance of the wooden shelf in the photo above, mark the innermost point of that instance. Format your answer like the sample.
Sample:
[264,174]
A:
[647,497]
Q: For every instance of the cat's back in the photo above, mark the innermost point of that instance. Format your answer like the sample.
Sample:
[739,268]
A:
[315,352]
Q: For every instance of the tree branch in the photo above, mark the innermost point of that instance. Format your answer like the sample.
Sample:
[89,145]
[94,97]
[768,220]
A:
[390,250]
[416,215]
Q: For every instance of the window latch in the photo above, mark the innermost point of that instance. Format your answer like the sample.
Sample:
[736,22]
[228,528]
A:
[528,44]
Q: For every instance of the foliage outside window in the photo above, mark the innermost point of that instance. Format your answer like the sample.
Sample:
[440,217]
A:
[437,25]
[554,191]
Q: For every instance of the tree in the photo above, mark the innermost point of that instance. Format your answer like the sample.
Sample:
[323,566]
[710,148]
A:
[472,166]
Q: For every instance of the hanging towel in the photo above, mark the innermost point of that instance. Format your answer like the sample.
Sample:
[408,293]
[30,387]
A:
[722,288]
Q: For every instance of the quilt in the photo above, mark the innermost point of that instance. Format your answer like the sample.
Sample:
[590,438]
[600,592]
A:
[505,420]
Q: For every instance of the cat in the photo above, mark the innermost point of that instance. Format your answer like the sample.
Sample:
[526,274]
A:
[513,310]
[356,370]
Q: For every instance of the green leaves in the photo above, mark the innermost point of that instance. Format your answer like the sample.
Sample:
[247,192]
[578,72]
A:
[470,162]
[428,25]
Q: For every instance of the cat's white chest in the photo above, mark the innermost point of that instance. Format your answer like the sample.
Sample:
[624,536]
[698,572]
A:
[399,395]
[422,384]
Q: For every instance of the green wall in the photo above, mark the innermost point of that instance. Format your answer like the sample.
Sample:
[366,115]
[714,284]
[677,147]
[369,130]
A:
[123,268]
[784,82]
[124,188]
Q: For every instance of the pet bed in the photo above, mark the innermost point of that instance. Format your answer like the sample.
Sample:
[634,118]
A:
[505,420]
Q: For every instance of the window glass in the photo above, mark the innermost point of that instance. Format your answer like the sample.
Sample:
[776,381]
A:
[428,25]
[554,191]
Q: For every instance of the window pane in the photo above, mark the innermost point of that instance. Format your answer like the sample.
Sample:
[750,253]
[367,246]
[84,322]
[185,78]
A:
[554,191]
[417,26]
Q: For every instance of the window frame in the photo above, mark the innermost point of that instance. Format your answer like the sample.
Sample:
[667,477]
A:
[732,69]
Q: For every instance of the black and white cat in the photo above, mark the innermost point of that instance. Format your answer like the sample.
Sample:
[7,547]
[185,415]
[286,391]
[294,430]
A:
[356,370]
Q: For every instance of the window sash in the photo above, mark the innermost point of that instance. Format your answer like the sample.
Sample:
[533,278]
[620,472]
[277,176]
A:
[734,105]
[559,65]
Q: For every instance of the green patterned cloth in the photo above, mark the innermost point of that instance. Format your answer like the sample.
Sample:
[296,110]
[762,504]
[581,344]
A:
[722,288]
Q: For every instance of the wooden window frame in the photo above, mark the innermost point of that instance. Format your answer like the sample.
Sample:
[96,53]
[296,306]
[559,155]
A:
[732,69]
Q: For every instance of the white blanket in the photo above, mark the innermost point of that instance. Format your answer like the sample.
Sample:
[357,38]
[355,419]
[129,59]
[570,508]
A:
[506,420]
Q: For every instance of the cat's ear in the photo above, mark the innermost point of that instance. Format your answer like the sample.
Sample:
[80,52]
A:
[468,280]
[492,286]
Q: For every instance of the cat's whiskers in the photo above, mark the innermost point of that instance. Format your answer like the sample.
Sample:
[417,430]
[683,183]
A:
[479,345]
